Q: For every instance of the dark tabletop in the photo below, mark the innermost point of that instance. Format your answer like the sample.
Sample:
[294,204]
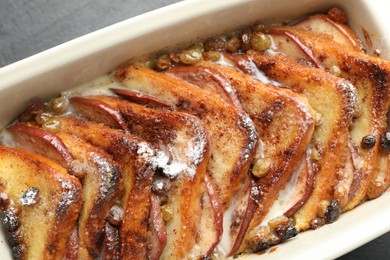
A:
[28,27]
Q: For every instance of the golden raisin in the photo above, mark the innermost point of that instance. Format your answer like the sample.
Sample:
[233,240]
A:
[261,167]
[315,154]
[211,55]
[167,213]
[43,117]
[163,63]
[52,124]
[233,44]
[190,56]
[260,41]
[59,105]
[215,44]
[335,70]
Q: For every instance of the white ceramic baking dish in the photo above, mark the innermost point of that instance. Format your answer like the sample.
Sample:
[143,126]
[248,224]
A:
[95,54]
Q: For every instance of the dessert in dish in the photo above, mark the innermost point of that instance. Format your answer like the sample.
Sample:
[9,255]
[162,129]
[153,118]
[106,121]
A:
[226,148]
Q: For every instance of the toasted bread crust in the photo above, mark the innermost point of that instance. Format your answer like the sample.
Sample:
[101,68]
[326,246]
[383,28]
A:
[102,184]
[185,139]
[133,154]
[341,33]
[249,92]
[203,160]
[334,100]
[40,237]
[258,99]
[101,178]
[233,149]
[371,78]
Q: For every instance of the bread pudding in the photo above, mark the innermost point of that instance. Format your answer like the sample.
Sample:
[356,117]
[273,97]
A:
[223,149]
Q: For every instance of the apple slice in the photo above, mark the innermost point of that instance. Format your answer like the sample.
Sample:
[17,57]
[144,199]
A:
[138,163]
[217,215]
[370,76]
[207,79]
[239,218]
[281,170]
[341,33]
[179,135]
[157,230]
[101,181]
[288,43]
[100,111]
[142,98]
[32,187]
[44,143]
[300,187]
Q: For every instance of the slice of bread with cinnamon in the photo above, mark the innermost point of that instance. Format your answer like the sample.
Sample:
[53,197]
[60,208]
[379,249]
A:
[40,203]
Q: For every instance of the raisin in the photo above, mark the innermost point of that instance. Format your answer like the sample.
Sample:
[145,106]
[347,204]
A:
[115,216]
[286,232]
[233,44]
[17,251]
[246,40]
[59,105]
[338,15]
[260,42]
[190,56]
[385,141]
[368,142]
[10,221]
[163,63]
[161,186]
[332,212]
[261,246]
[215,44]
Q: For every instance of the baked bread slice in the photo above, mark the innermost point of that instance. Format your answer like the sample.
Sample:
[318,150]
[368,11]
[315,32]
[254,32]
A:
[334,100]
[101,180]
[32,186]
[102,185]
[135,157]
[183,137]
[271,110]
[370,76]
[232,151]
[340,32]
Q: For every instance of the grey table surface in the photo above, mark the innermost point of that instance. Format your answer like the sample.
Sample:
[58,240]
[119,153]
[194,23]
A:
[29,27]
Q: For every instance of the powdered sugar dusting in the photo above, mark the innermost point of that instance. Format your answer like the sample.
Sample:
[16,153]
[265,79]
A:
[159,160]
[197,146]
[145,151]
[69,195]
[109,174]
[247,124]
[181,157]
[30,197]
